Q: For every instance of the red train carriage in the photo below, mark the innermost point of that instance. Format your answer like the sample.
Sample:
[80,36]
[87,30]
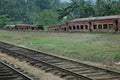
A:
[118,24]
[106,23]
[64,27]
[10,27]
[61,27]
[54,28]
[23,27]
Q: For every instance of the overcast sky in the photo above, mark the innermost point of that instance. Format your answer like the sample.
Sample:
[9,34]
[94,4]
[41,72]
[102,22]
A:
[69,0]
[65,0]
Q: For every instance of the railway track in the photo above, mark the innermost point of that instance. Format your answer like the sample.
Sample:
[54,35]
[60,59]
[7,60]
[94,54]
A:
[9,73]
[66,68]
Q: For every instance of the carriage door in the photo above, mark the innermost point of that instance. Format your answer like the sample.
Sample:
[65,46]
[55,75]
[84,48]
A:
[116,23]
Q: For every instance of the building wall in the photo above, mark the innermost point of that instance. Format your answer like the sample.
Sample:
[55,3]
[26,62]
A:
[103,25]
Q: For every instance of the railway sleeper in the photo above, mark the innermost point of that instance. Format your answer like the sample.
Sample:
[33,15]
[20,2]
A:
[87,72]
[53,62]
[39,65]
[33,62]
[105,77]
[49,70]
[109,78]
[8,77]
[80,69]
[51,59]
[95,74]
[64,64]
[74,67]
[6,74]
[62,75]
[4,71]
[70,77]
[44,67]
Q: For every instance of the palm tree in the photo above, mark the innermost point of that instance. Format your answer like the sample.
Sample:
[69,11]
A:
[77,9]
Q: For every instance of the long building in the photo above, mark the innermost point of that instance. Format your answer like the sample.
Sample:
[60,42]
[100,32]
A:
[105,23]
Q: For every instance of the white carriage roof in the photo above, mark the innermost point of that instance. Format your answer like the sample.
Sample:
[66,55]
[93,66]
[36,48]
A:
[25,25]
[97,18]
[10,25]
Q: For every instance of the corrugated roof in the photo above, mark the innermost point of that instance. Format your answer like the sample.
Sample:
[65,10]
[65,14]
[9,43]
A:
[97,18]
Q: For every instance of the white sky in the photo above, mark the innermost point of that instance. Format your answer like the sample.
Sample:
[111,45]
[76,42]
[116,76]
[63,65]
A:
[65,0]
[69,0]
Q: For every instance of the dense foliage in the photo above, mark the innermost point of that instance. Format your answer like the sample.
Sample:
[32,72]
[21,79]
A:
[49,12]
[90,8]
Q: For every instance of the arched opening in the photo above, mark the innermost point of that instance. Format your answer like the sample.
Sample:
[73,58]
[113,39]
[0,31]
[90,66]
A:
[105,26]
[116,23]
[110,26]
[32,28]
[65,29]
[100,26]
[94,26]
[82,27]
[78,27]
[86,26]
[73,27]
[70,27]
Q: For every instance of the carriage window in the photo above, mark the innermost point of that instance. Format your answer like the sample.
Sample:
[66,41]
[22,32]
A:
[82,26]
[104,26]
[32,28]
[94,26]
[27,27]
[86,26]
[78,27]
[110,26]
[64,29]
[99,26]
[74,27]
[70,27]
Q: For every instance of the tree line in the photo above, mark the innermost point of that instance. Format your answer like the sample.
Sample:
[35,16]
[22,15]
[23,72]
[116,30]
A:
[38,12]
[50,12]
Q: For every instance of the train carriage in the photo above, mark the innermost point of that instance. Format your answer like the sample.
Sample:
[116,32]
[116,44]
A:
[10,27]
[95,24]
[23,27]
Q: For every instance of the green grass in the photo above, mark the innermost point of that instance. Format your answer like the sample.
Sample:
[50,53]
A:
[95,47]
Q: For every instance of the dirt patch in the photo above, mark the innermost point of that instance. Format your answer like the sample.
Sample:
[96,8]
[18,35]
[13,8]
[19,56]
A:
[28,68]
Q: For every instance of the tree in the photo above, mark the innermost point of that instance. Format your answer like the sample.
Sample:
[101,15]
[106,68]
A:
[67,11]
[77,9]
[3,20]
[43,4]
[47,17]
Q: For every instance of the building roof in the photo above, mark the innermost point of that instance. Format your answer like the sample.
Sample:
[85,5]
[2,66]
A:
[9,26]
[97,18]
[25,25]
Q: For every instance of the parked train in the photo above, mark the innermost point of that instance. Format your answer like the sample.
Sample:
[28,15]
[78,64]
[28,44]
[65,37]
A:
[94,24]
[23,27]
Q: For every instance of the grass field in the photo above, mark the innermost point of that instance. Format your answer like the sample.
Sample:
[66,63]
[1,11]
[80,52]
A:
[94,47]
